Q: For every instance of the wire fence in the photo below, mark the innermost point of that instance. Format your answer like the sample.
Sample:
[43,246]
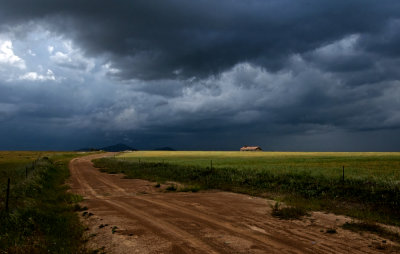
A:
[198,162]
[13,181]
[209,163]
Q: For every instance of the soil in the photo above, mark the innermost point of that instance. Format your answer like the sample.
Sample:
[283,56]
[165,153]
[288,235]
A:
[134,216]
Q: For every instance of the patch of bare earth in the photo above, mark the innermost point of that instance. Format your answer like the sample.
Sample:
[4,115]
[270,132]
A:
[133,216]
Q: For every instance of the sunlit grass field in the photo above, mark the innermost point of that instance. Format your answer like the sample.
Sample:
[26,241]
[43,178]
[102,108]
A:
[377,165]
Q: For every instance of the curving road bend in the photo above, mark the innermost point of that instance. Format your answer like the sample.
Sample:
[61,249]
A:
[133,216]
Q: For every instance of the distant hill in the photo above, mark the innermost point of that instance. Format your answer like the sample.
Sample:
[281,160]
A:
[164,149]
[117,148]
[87,149]
[113,148]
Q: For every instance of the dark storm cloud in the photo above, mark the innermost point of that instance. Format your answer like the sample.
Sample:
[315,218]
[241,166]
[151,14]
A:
[179,38]
[201,74]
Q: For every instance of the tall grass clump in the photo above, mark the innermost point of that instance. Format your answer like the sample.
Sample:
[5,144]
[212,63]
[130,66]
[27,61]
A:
[358,197]
[287,213]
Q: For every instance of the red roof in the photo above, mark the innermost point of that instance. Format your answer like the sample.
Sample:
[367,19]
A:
[250,148]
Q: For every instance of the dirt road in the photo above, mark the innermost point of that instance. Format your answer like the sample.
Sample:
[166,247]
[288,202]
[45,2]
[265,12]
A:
[133,216]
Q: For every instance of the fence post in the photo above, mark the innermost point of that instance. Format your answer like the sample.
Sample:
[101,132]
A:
[211,164]
[343,175]
[8,193]
[139,160]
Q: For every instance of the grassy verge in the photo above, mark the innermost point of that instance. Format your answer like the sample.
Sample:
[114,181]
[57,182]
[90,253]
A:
[41,217]
[363,198]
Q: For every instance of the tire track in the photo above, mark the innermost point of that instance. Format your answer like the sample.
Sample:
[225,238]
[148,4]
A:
[163,228]
[267,240]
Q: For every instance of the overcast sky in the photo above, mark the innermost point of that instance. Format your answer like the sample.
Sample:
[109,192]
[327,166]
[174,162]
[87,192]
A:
[295,75]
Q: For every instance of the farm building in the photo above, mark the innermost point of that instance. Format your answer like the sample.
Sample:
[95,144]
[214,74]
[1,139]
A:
[250,148]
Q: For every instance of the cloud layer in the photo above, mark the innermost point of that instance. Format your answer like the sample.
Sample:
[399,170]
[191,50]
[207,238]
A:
[305,75]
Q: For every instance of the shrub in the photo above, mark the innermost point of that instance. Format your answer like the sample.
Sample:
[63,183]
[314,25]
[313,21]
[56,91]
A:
[287,213]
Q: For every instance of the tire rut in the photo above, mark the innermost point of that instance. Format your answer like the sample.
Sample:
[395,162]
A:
[165,229]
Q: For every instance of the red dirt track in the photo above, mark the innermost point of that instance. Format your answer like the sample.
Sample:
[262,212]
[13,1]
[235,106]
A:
[147,219]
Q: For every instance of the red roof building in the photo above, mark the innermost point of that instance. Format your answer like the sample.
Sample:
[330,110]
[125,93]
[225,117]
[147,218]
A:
[250,148]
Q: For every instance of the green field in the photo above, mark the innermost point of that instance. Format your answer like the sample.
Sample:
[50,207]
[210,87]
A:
[41,216]
[312,181]
[380,166]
